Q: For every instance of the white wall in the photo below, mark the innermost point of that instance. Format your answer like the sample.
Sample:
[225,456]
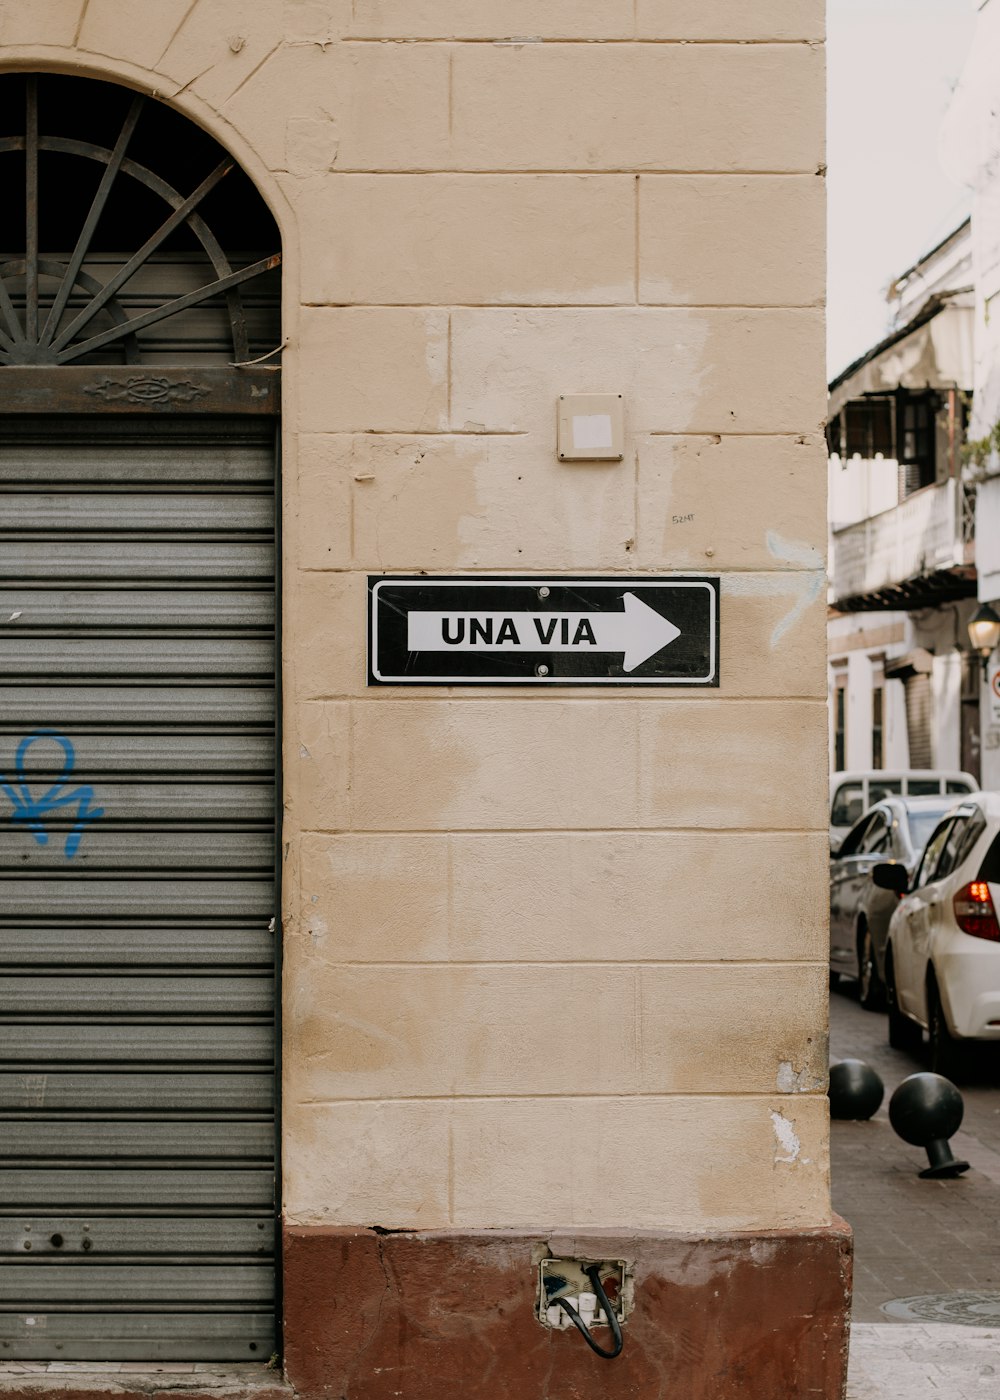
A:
[859,487]
[988,534]
[990,756]
[946,689]
[896,743]
[970,148]
[861,665]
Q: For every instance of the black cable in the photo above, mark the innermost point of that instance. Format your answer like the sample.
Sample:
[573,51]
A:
[594,1274]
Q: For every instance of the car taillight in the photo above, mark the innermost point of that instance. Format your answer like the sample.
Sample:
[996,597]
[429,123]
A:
[974,911]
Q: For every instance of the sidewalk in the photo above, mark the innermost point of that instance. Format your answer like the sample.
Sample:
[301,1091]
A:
[933,1241]
[900,1362]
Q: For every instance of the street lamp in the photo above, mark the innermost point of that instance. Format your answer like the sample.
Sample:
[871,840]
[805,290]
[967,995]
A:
[984,633]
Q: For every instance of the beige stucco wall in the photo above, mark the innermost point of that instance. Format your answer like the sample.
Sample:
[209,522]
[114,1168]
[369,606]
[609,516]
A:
[549,958]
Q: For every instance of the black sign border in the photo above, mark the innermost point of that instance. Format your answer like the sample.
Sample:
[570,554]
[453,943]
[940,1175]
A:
[550,581]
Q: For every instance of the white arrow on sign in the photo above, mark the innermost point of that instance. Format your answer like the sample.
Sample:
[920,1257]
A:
[639,632]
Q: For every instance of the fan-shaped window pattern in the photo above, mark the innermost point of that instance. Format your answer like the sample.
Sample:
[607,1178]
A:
[127,235]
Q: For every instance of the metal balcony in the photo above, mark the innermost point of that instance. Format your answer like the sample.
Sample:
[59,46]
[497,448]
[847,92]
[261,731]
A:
[918,554]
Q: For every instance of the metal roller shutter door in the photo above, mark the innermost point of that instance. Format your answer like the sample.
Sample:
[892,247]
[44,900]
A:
[919,709]
[137,957]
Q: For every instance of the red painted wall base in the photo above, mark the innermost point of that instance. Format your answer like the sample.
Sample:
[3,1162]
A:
[425,1315]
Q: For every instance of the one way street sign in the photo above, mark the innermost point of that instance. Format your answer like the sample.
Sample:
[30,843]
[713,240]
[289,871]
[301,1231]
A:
[543,631]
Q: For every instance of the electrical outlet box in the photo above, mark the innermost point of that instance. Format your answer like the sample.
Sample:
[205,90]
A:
[565,1278]
[591,428]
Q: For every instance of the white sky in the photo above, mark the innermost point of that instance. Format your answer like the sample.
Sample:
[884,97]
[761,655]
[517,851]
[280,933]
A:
[892,67]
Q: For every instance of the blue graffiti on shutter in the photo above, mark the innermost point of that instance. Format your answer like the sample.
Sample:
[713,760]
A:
[31,811]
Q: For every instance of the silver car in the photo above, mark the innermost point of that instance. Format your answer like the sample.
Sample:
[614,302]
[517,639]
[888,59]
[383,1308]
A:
[896,829]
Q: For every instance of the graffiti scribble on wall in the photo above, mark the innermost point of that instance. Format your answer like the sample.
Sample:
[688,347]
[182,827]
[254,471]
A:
[31,811]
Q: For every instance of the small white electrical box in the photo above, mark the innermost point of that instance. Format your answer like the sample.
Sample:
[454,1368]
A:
[565,1278]
[591,428]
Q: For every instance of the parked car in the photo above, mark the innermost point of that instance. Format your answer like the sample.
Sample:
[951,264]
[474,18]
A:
[851,794]
[942,961]
[895,829]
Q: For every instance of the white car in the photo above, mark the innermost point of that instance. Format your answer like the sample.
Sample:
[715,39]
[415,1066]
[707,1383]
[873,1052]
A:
[851,794]
[942,961]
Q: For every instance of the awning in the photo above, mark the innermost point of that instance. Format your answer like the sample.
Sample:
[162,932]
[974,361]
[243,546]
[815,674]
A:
[933,353]
[914,663]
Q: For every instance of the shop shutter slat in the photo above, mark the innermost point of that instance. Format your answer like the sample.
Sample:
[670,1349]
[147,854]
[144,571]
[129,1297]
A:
[99,1188]
[134,996]
[22,706]
[137,608]
[135,1284]
[113,513]
[149,754]
[101,1140]
[131,899]
[169,849]
[137,1237]
[163,945]
[57,1092]
[129,1043]
[184,560]
[159,1336]
[101,656]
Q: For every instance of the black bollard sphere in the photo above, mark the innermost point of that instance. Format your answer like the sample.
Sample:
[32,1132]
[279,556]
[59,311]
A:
[927,1110]
[855,1090]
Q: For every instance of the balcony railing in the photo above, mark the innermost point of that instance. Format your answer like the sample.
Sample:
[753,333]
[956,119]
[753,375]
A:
[925,534]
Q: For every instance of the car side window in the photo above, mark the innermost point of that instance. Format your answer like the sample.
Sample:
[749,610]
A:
[948,858]
[928,866]
[990,868]
[848,804]
[876,837]
[970,833]
[923,787]
[879,788]
[851,844]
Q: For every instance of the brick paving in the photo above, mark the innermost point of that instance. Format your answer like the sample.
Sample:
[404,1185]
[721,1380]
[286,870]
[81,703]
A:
[914,1237]
[924,1363]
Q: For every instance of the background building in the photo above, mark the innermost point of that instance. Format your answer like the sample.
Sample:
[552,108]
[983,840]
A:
[902,519]
[915,485]
[971,145]
[552,961]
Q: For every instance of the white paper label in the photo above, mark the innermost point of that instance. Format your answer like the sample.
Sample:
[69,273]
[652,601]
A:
[591,431]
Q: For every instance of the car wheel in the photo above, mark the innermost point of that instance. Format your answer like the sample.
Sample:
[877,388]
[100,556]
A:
[834,980]
[946,1055]
[904,1034]
[871,988]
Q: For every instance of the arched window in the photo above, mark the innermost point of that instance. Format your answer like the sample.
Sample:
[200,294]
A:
[127,234]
